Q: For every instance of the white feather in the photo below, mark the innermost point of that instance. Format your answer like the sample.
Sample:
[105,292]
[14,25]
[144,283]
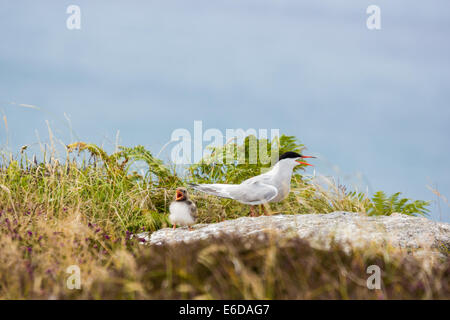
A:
[180,214]
[272,186]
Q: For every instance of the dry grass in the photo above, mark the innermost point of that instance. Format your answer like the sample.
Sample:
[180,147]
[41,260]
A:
[225,268]
[53,215]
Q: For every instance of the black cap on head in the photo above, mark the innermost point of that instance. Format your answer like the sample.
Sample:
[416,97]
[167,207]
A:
[289,154]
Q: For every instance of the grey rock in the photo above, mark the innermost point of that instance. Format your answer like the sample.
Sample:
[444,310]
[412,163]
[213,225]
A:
[345,228]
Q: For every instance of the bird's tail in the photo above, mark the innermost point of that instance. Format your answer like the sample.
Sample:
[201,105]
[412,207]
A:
[218,190]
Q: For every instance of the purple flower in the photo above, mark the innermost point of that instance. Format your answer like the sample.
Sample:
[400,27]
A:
[97,230]
[107,237]
[30,233]
[29,249]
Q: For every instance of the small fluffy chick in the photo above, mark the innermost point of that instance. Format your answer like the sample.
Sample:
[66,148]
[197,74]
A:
[182,211]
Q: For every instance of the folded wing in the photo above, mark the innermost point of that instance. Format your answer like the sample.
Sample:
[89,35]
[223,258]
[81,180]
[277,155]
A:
[249,193]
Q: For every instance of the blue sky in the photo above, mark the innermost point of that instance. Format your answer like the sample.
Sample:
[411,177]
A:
[370,104]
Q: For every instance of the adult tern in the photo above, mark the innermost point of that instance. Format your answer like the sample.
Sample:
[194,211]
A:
[272,186]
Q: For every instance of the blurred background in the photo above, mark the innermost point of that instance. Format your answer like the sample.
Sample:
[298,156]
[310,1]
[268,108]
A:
[373,105]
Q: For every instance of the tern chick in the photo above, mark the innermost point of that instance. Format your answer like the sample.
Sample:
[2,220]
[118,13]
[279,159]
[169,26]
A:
[182,211]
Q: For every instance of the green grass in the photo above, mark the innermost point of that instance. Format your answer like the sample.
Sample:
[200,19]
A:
[81,211]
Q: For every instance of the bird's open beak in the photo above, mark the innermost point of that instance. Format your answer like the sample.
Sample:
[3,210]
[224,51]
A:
[305,163]
[179,195]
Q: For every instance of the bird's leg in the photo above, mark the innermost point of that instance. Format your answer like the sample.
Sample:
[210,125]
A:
[174,226]
[264,210]
[252,211]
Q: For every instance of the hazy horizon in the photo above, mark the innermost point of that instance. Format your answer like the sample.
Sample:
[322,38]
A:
[373,105]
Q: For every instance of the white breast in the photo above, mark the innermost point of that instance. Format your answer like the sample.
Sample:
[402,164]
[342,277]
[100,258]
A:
[180,214]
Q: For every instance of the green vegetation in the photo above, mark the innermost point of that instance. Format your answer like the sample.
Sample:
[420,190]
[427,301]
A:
[384,205]
[83,210]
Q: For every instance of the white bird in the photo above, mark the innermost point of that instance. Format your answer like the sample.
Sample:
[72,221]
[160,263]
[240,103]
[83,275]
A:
[272,186]
[182,211]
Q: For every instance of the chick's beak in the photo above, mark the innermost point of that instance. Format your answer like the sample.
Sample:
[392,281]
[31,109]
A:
[179,195]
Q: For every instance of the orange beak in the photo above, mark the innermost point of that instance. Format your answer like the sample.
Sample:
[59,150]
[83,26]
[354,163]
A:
[305,163]
[179,195]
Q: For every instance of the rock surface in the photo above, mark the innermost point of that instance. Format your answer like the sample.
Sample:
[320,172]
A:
[345,228]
